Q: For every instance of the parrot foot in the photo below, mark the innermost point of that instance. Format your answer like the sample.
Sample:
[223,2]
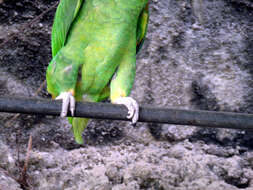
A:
[67,99]
[132,106]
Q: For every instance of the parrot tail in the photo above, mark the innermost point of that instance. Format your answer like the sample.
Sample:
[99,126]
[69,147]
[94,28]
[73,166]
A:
[78,123]
[78,126]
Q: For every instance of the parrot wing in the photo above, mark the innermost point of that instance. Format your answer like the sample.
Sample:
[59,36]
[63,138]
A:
[142,28]
[65,14]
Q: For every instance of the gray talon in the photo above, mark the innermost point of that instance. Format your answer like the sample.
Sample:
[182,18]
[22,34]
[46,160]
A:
[67,100]
[132,106]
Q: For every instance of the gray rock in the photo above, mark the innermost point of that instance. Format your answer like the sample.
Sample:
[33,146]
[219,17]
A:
[7,161]
[6,182]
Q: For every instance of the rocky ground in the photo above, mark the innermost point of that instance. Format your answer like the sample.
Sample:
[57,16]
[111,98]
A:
[198,55]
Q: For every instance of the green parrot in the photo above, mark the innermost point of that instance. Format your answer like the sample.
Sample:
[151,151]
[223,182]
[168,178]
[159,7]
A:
[94,47]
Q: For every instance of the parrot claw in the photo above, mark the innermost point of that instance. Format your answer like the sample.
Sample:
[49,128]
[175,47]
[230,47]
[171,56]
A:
[132,106]
[67,100]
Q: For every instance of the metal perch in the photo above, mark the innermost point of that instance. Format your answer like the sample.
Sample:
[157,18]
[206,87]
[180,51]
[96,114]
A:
[118,112]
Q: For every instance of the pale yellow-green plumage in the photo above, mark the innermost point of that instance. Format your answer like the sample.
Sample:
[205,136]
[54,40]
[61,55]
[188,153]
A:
[94,46]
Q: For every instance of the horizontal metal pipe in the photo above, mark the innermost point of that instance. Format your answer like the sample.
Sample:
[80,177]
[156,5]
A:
[118,112]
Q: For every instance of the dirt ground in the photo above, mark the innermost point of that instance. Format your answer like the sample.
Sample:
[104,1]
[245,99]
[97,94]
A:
[197,55]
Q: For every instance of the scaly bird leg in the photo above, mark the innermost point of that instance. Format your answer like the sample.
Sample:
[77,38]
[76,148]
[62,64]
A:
[67,100]
[132,106]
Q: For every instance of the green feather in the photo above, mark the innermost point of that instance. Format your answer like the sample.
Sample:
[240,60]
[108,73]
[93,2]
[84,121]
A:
[142,27]
[66,12]
[78,125]
[94,45]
